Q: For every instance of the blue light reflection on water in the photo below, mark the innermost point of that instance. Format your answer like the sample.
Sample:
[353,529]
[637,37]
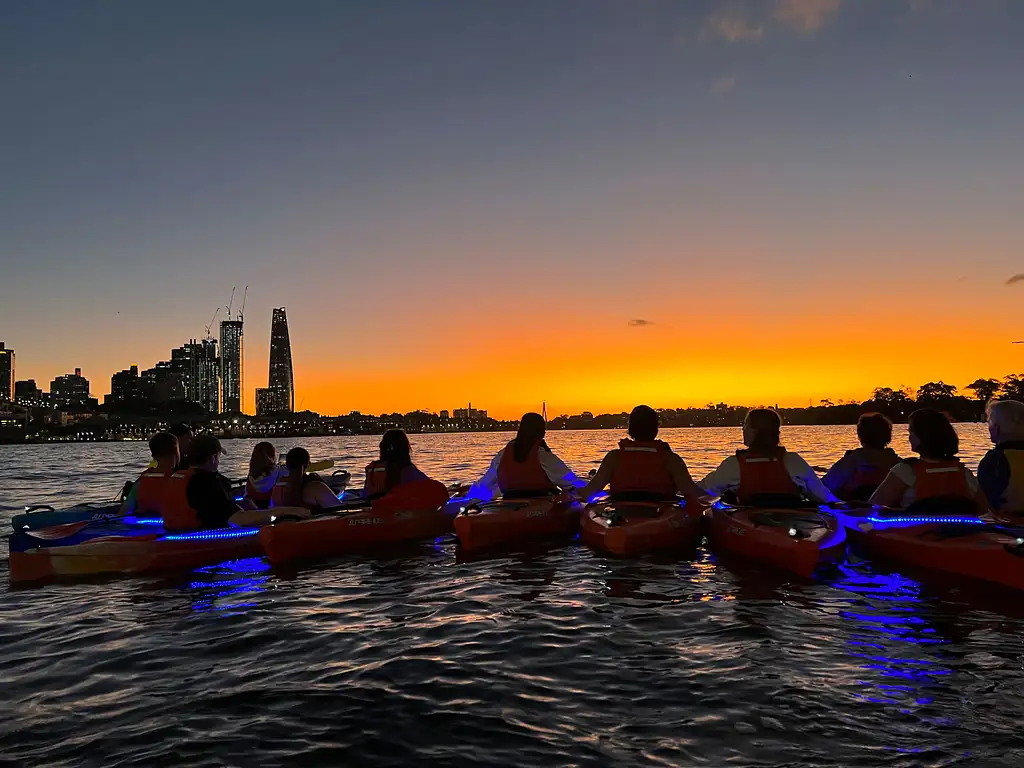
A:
[244,576]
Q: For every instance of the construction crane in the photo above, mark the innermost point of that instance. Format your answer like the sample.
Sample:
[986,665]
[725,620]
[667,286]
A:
[210,326]
[231,301]
[242,309]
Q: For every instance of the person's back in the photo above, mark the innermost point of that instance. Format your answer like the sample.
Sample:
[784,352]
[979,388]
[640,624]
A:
[199,497]
[860,471]
[147,494]
[298,489]
[937,477]
[394,466]
[264,473]
[1001,471]
[765,472]
[642,467]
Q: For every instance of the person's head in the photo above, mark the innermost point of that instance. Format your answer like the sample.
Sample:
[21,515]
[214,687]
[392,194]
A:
[297,461]
[164,447]
[531,431]
[643,423]
[1005,420]
[204,452]
[184,434]
[761,430]
[874,430]
[395,448]
[263,460]
[932,436]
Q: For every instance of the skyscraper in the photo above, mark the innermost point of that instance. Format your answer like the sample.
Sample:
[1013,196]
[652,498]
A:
[203,386]
[70,390]
[232,368]
[6,373]
[264,401]
[281,381]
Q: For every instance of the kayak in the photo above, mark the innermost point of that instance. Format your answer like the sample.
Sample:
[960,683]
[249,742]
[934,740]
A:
[413,512]
[962,546]
[795,540]
[636,527]
[45,516]
[122,546]
[503,521]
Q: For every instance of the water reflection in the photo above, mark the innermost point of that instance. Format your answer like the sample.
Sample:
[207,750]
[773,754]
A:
[227,586]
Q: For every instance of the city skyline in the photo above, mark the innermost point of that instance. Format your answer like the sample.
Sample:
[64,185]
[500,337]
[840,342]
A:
[668,203]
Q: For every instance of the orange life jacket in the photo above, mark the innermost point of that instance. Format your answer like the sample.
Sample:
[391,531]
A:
[177,514]
[279,492]
[151,493]
[525,476]
[414,496]
[939,478]
[376,478]
[642,467]
[762,474]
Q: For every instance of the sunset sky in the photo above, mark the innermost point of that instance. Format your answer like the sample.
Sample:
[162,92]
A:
[473,200]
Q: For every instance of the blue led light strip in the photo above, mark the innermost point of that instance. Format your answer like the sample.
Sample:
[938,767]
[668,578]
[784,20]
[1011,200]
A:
[968,520]
[210,535]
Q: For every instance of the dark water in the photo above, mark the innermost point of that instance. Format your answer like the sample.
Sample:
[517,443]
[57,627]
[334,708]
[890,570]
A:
[556,656]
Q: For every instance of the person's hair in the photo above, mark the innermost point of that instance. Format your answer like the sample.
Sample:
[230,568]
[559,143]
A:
[643,423]
[396,453]
[874,430]
[936,437]
[1008,414]
[766,426]
[296,461]
[162,444]
[531,431]
[263,460]
[180,430]
[202,448]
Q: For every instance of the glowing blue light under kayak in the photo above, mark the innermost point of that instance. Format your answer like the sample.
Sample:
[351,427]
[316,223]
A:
[211,535]
[967,520]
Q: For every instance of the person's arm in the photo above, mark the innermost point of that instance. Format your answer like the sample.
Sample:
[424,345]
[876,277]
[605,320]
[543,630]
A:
[725,478]
[804,476]
[890,492]
[993,477]
[602,478]
[980,499]
[486,488]
[558,473]
[318,493]
[681,477]
[131,501]
[839,475]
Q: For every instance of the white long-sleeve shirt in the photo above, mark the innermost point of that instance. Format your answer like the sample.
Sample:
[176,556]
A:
[558,473]
[727,478]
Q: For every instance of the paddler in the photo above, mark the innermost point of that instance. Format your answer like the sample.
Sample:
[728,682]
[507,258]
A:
[1001,471]
[183,432]
[856,476]
[264,473]
[937,475]
[765,473]
[298,488]
[643,467]
[146,494]
[393,468]
[525,467]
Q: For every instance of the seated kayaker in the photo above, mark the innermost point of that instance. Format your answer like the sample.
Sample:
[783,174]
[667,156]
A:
[765,473]
[264,473]
[200,497]
[937,479]
[856,476]
[183,432]
[393,468]
[1001,471]
[298,488]
[642,467]
[147,493]
[525,467]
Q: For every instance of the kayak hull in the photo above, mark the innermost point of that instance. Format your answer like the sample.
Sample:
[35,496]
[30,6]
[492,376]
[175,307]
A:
[637,527]
[43,516]
[81,549]
[506,521]
[798,541]
[943,548]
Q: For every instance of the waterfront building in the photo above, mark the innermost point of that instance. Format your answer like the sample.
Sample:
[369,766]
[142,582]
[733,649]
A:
[281,380]
[71,389]
[469,414]
[126,386]
[6,373]
[203,384]
[264,401]
[28,394]
[232,366]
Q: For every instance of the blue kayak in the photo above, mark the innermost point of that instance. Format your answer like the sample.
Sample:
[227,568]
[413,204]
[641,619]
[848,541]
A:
[44,516]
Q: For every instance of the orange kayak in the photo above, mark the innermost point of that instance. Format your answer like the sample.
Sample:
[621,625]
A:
[412,512]
[509,520]
[965,547]
[795,540]
[636,527]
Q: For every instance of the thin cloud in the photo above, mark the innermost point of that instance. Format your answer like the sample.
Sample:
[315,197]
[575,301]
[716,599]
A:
[731,26]
[1018,278]
[806,15]
[723,84]
[638,323]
